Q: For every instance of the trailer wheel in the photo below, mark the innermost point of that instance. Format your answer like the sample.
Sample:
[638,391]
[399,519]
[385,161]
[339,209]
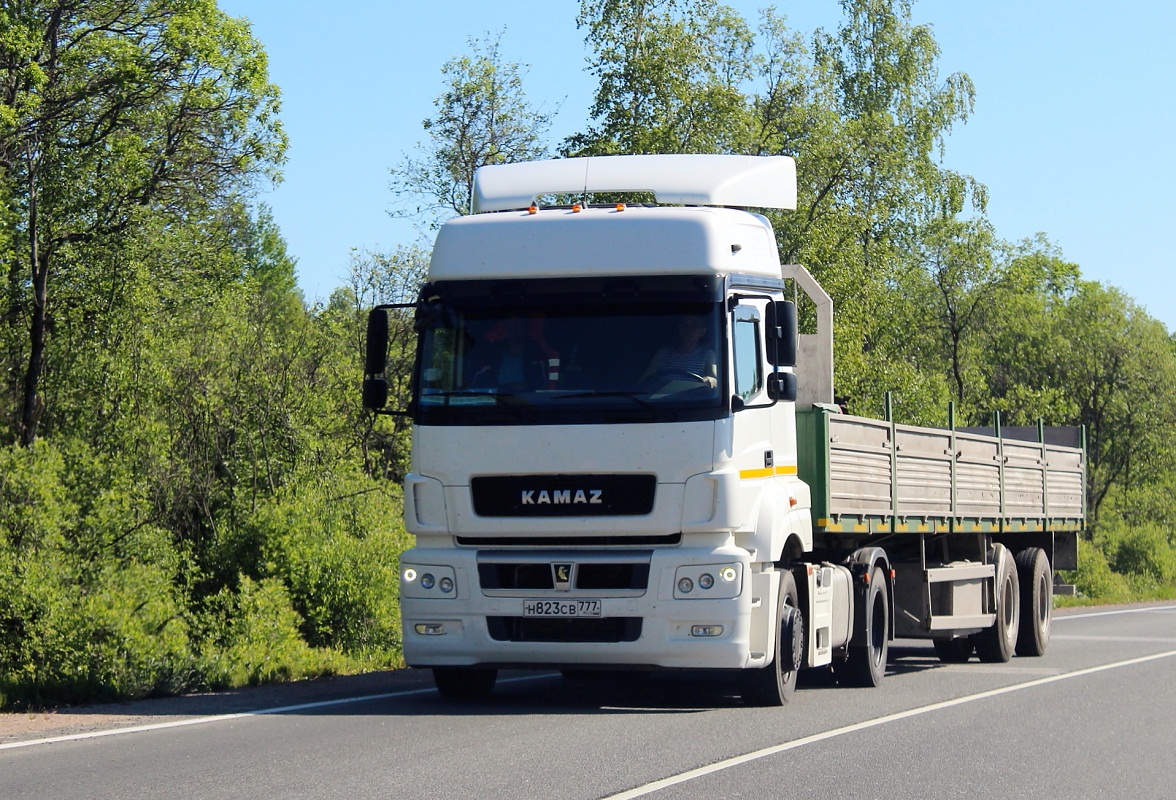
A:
[465,683]
[774,684]
[867,662]
[1036,601]
[954,651]
[997,644]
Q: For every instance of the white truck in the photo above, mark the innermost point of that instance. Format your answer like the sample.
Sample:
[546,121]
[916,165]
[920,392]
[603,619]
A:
[624,456]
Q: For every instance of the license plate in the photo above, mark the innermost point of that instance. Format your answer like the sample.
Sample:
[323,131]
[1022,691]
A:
[561,608]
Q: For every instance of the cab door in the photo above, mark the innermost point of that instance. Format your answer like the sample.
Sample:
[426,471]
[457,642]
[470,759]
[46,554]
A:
[751,409]
[763,417]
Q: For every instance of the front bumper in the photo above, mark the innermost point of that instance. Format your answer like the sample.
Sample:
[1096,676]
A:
[657,626]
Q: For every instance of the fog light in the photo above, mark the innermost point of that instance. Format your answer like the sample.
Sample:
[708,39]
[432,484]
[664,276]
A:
[685,585]
[446,585]
[706,630]
[427,580]
[728,574]
[706,580]
[410,575]
[429,628]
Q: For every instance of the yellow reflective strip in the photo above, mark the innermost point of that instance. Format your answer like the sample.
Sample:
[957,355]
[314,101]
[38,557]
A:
[786,470]
[767,472]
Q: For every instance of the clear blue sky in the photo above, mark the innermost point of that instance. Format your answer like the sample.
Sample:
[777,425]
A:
[1074,130]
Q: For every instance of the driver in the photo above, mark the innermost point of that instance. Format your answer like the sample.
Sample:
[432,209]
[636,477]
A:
[690,356]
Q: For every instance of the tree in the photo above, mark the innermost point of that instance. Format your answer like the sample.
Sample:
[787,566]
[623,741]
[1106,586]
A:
[671,75]
[482,118]
[1119,366]
[1021,334]
[865,114]
[110,113]
[959,260]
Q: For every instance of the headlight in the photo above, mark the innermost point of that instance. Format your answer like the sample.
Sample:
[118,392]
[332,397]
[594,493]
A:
[699,581]
[428,581]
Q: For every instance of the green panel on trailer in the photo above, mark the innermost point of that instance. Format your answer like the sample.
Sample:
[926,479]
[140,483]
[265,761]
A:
[812,456]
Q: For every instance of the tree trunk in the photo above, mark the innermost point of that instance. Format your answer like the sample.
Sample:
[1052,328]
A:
[32,405]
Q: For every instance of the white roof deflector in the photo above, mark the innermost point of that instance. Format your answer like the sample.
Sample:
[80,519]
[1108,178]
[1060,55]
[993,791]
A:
[695,180]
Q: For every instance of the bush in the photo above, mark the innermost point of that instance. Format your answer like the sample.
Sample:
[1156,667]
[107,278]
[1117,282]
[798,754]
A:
[1145,554]
[90,608]
[252,637]
[1094,578]
[335,542]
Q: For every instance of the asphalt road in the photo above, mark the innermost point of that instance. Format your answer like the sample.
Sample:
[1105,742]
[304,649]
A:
[1094,718]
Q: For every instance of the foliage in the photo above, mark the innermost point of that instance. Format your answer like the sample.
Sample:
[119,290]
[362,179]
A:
[482,118]
[115,114]
[670,75]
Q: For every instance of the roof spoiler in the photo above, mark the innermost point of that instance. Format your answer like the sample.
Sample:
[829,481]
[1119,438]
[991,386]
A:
[695,180]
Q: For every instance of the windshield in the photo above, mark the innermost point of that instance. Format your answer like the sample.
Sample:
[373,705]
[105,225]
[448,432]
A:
[569,359]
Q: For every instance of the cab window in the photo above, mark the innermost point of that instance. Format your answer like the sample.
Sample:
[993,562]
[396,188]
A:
[749,377]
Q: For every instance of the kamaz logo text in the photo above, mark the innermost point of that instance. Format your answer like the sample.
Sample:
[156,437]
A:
[541,497]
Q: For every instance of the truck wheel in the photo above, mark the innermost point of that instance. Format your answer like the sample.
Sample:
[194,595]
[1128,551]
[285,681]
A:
[1036,601]
[867,661]
[774,684]
[997,644]
[465,683]
[954,651]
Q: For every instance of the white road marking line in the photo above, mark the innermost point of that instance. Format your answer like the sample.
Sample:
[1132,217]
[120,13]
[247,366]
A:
[1063,618]
[181,723]
[1144,639]
[736,761]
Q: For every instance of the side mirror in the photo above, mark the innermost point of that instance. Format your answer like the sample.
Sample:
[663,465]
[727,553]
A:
[782,386]
[376,357]
[375,393]
[782,333]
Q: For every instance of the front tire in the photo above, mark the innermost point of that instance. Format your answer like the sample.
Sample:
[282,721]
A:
[774,684]
[1036,580]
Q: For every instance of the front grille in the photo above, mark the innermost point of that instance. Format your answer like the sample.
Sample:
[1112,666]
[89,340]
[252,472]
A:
[530,629]
[506,571]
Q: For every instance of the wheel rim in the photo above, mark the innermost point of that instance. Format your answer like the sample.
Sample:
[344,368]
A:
[1044,600]
[1009,602]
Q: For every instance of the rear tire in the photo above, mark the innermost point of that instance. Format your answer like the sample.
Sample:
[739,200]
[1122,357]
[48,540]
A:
[1036,580]
[465,683]
[774,684]
[867,661]
[997,644]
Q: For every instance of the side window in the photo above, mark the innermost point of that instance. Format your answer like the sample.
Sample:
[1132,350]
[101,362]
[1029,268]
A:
[749,377]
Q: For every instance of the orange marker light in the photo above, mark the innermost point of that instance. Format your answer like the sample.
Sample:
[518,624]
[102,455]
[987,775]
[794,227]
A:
[620,206]
[534,209]
[577,208]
